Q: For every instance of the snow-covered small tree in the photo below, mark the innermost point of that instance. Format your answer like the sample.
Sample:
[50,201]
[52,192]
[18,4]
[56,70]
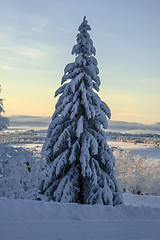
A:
[81,162]
[4,121]
[15,172]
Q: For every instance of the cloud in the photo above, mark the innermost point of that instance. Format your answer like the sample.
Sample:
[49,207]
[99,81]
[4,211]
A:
[37,23]
[23,70]
[65,30]
[9,68]
[39,52]
[36,29]
[108,35]
[29,52]
[25,51]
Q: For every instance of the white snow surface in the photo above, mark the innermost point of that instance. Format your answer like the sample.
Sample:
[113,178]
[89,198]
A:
[149,151]
[141,200]
[138,218]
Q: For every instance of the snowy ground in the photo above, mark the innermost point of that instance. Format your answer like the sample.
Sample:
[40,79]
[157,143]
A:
[34,220]
[137,219]
[147,145]
[149,151]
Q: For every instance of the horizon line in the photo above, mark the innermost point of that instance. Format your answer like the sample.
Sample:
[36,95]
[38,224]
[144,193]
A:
[109,120]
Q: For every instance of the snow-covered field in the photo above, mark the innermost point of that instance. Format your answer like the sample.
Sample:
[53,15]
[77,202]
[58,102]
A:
[148,151]
[138,218]
[146,145]
[34,220]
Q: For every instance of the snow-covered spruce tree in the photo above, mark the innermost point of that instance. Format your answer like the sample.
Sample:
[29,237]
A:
[75,149]
[4,121]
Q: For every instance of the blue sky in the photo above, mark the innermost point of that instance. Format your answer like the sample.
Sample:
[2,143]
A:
[36,39]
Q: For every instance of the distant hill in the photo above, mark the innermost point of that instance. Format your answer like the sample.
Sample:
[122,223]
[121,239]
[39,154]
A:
[38,121]
[122,125]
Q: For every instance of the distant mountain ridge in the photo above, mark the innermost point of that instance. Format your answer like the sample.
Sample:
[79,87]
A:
[122,125]
[39,121]
[29,121]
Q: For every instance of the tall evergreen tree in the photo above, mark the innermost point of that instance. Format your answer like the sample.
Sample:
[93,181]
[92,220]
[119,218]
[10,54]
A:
[76,151]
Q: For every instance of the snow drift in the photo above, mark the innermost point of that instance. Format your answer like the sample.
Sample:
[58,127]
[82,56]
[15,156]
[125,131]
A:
[31,220]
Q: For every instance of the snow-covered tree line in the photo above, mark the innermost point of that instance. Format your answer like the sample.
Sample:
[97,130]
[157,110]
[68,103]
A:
[4,121]
[20,173]
[80,161]
[136,174]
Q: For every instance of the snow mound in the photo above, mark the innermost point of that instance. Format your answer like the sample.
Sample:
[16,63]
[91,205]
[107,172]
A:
[141,200]
[31,220]
[28,210]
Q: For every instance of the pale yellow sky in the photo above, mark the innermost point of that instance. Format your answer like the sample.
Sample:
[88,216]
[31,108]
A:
[39,101]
